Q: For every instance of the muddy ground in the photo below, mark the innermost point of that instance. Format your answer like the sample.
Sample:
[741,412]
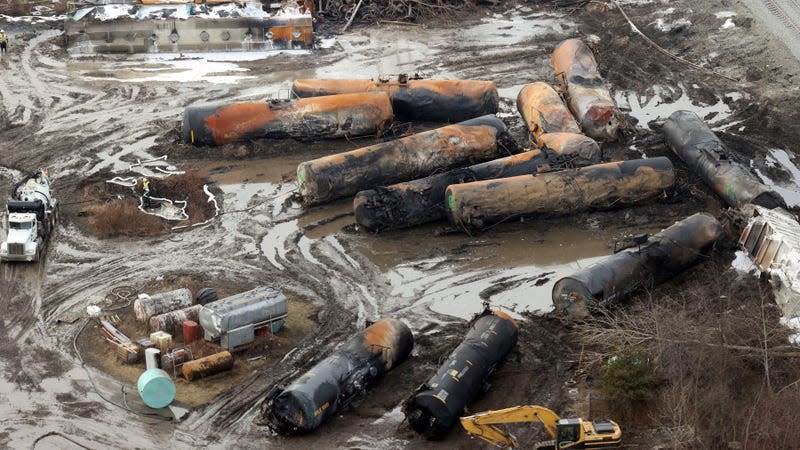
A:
[92,116]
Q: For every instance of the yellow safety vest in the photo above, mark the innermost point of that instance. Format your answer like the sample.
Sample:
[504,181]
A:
[3,38]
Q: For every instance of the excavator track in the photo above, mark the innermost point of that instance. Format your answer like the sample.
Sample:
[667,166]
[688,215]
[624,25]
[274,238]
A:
[545,445]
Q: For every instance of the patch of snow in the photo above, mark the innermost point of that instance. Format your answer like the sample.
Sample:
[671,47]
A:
[666,26]
[724,14]
[791,193]
[728,24]
[326,43]
[743,263]
[646,109]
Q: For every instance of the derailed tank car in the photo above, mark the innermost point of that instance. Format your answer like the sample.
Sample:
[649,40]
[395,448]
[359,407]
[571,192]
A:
[438,403]
[338,379]
[259,307]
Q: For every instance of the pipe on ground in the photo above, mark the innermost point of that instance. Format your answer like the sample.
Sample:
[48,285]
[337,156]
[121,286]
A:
[437,404]
[544,112]
[588,98]
[306,118]
[694,142]
[337,380]
[420,201]
[430,100]
[663,256]
[599,187]
[408,158]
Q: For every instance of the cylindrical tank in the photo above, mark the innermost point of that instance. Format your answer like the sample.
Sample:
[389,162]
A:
[544,112]
[260,306]
[156,388]
[172,321]
[206,295]
[152,358]
[438,403]
[335,381]
[175,358]
[588,98]
[408,158]
[306,118]
[598,187]
[191,330]
[210,365]
[694,142]
[416,202]
[147,306]
[663,256]
[429,100]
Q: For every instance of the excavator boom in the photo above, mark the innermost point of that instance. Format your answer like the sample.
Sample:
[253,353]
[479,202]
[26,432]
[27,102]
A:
[482,425]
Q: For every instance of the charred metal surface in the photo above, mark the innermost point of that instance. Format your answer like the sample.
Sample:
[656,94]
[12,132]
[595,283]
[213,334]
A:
[307,118]
[588,98]
[662,257]
[420,201]
[544,112]
[409,158]
[337,380]
[194,34]
[691,139]
[437,404]
[598,187]
[207,366]
[431,100]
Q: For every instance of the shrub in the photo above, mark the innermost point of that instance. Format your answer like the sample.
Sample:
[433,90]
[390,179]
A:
[630,379]
[123,218]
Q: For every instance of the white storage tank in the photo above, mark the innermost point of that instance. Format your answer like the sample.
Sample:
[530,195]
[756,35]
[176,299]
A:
[262,306]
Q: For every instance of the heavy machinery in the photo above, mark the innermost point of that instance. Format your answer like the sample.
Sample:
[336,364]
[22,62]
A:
[566,433]
[30,218]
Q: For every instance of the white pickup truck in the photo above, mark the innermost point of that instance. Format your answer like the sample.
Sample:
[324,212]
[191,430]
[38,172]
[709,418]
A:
[31,215]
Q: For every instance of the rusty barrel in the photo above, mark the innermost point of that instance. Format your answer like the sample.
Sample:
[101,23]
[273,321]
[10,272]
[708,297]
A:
[171,322]
[191,331]
[694,142]
[663,256]
[437,404]
[598,187]
[207,366]
[408,158]
[544,112]
[429,100]
[588,98]
[420,201]
[147,306]
[338,379]
[306,118]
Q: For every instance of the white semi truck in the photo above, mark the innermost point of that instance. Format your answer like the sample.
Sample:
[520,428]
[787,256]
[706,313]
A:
[31,215]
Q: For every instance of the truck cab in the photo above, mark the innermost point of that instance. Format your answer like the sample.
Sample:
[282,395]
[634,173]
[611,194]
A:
[23,242]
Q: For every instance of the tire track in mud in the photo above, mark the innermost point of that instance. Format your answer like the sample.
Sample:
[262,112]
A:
[785,17]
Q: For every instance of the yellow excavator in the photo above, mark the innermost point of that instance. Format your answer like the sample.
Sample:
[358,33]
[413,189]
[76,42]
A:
[566,433]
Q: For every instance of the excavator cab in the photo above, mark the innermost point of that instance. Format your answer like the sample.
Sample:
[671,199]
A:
[568,431]
[579,433]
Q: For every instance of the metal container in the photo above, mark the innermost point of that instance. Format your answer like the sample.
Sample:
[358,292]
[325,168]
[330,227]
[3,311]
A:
[156,388]
[191,330]
[206,295]
[162,340]
[337,380]
[661,257]
[603,186]
[413,99]
[408,158]
[544,112]
[306,118]
[175,358]
[416,202]
[694,142]
[152,358]
[171,322]
[260,306]
[438,403]
[205,367]
[588,98]
[147,306]
[238,337]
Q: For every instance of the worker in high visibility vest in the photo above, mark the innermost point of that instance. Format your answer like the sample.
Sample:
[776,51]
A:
[3,41]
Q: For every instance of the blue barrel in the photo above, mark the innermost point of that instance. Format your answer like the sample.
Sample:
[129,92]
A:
[156,388]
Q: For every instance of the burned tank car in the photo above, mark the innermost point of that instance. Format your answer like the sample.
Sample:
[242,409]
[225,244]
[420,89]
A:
[338,379]
[437,404]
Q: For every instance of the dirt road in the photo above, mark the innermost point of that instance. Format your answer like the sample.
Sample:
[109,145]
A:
[95,116]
